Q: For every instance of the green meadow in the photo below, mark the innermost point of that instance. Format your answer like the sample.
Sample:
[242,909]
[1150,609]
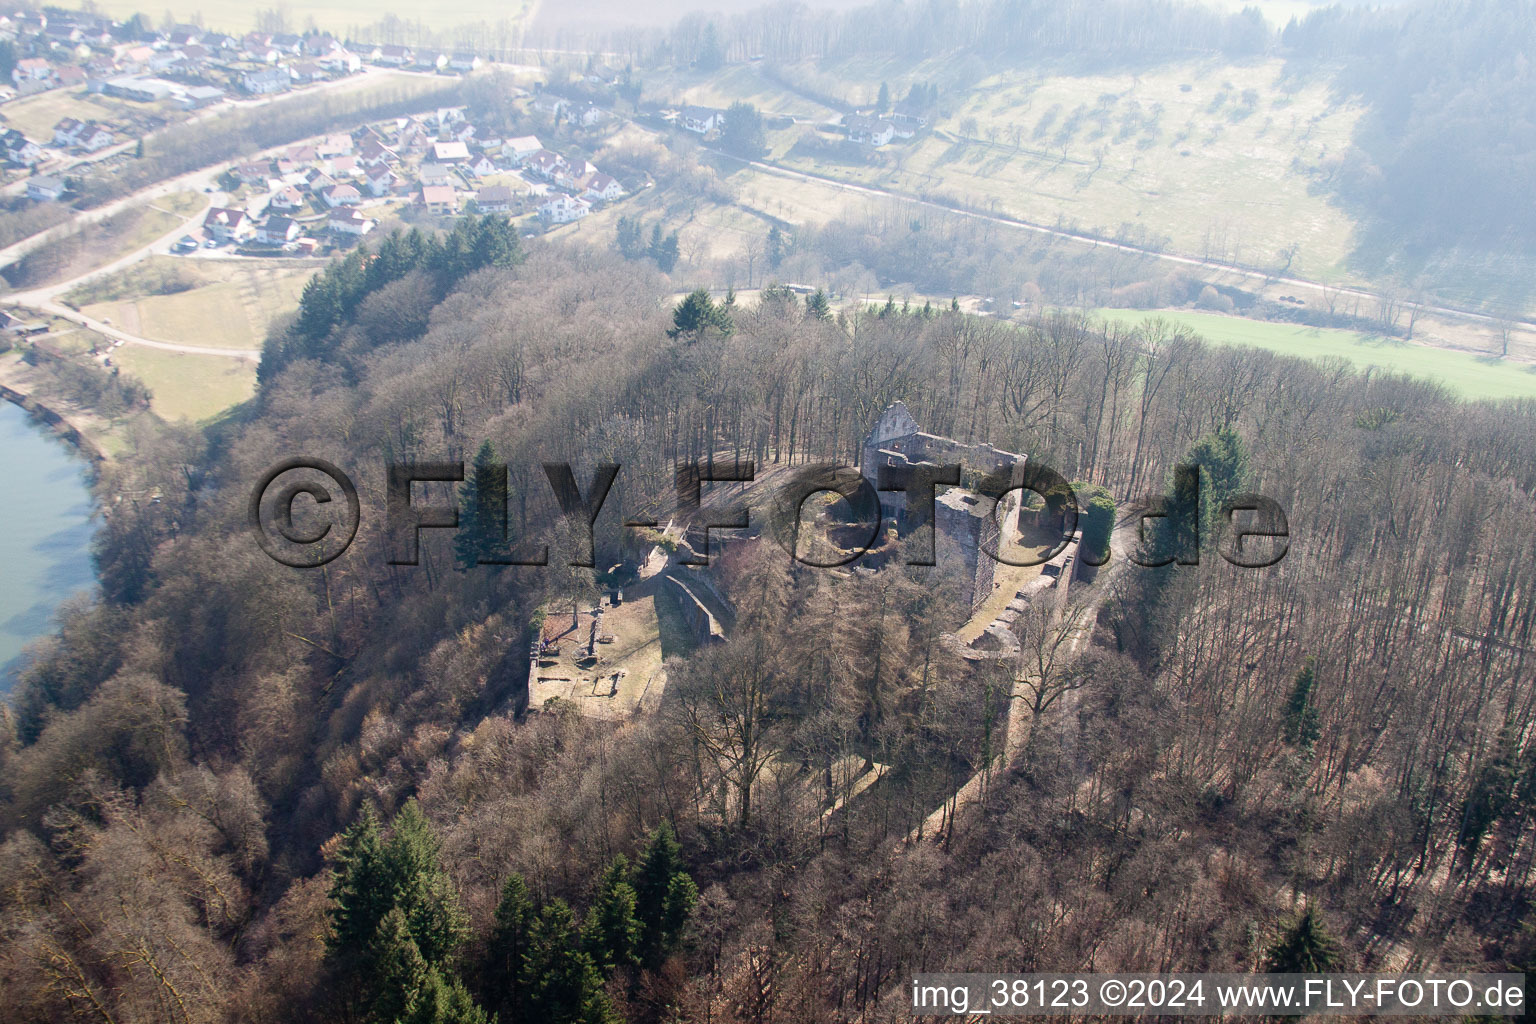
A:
[1471,375]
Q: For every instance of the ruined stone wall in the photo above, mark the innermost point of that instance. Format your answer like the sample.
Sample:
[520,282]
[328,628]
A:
[702,624]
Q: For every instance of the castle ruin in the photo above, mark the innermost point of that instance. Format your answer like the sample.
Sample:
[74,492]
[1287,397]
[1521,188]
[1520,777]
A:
[972,522]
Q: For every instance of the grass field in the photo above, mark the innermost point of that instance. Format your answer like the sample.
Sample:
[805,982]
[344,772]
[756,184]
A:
[35,116]
[337,16]
[1212,159]
[1472,376]
[193,387]
[233,308]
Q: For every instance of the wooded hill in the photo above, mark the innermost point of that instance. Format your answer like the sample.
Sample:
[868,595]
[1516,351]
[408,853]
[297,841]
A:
[238,791]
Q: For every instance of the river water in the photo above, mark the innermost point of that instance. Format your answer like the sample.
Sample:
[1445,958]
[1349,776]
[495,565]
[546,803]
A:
[45,532]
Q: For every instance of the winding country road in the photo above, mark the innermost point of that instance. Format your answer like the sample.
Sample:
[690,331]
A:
[46,298]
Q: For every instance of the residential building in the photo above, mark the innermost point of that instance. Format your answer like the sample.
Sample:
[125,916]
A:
[19,149]
[45,188]
[438,199]
[521,148]
[545,164]
[868,131]
[305,71]
[588,114]
[564,209]
[602,187]
[66,131]
[92,137]
[464,61]
[287,198]
[228,225]
[340,166]
[396,56]
[318,181]
[339,144]
[278,231]
[251,174]
[701,120]
[32,75]
[342,195]
[499,199]
[449,152]
[349,222]
[341,62]
[435,174]
[265,82]
[381,181]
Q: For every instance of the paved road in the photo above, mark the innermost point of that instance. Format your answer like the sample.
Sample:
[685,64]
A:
[46,299]
[195,180]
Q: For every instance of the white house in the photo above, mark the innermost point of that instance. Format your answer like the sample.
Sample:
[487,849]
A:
[549,105]
[45,189]
[464,62]
[449,152]
[381,180]
[287,198]
[19,149]
[374,153]
[435,174]
[588,114]
[438,199]
[482,165]
[92,137]
[602,187]
[869,131]
[349,222]
[228,225]
[343,61]
[342,195]
[251,173]
[564,209]
[521,148]
[545,164]
[339,144]
[33,70]
[396,56]
[701,120]
[278,231]
[497,199]
[266,81]
[65,131]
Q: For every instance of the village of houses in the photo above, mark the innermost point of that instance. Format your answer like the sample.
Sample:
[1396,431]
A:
[437,164]
[311,197]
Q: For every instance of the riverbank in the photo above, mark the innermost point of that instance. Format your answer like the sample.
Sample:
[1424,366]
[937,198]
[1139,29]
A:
[95,437]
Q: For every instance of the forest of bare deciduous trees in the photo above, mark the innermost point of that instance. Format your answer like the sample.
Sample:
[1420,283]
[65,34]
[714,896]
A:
[1350,729]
